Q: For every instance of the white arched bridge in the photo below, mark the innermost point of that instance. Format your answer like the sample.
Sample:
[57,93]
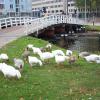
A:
[13,28]
[32,25]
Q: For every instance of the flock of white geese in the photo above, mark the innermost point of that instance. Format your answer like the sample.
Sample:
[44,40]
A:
[44,54]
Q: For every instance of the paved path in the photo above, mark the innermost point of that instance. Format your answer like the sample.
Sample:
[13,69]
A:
[9,34]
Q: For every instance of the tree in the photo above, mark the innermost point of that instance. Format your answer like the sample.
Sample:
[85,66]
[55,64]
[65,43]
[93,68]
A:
[91,4]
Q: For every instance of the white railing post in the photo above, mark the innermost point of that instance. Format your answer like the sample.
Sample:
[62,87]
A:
[0,24]
[5,23]
[26,28]
[11,22]
[15,21]
[37,26]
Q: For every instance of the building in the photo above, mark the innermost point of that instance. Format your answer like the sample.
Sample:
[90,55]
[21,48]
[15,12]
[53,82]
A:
[54,7]
[15,7]
[48,6]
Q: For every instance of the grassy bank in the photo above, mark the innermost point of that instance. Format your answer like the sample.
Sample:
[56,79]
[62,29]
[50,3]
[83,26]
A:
[80,81]
[93,28]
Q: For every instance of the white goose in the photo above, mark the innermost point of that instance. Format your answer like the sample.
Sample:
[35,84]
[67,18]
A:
[36,50]
[1,67]
[10,71]
[92,58]
[34,60]
[60,59]
[58,52]
[19,63]
[83,54]
[45,55]
[4,57]
[48,46]
[29,46]
[69,52]
[98,61]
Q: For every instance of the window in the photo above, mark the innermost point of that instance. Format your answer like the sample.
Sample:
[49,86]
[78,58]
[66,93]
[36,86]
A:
[52,11]
[17,10]
[61,11]
[56,10]
[11,6]
[59,5]
[17,1]
[1,6]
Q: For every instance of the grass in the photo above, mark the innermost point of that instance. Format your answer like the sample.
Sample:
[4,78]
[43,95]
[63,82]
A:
[92,28]
[80,81]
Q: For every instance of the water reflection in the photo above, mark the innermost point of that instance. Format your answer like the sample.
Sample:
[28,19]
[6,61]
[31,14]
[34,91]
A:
[83,43]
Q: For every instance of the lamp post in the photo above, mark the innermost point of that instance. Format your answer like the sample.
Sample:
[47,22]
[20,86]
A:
[67,7]
[85,12]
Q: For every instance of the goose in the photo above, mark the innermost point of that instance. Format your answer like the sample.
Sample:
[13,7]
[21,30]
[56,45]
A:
[19,63]
[72,59]
[4,57]
[58,52]
[10,71]
[60,59]
[34,60]
[36,50]
[0,67]
[25,54]
[83,54]
[45,55]
[92,58]
[43,49]
[48,47]
[29,46]
[69,52]
[98,61]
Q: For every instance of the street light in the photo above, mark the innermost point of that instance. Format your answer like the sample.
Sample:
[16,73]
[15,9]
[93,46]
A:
[85,11]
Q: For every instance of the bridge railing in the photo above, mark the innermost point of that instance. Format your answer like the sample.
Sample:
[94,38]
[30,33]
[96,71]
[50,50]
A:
[14,21]
[35,24]
[41,23]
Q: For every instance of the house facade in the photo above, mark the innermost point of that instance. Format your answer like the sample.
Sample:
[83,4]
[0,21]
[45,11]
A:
[15,7]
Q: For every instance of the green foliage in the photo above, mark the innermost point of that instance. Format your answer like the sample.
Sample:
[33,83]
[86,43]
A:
[90,3]
[79,81]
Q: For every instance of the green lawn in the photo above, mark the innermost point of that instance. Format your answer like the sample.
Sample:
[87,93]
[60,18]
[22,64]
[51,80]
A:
[93,28]
[80,81]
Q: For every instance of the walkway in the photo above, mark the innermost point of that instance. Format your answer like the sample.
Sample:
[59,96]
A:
[9,34]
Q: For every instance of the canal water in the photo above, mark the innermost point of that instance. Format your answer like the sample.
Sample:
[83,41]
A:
[82,43]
